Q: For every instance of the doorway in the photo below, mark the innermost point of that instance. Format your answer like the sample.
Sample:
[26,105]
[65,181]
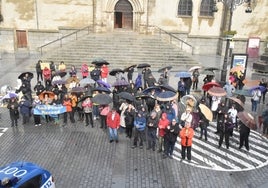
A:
[123,15]
[21,38]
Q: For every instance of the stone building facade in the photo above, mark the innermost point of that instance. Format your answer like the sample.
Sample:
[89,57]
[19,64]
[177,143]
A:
[28,24]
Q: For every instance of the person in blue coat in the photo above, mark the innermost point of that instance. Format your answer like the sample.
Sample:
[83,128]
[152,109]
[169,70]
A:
[25,109]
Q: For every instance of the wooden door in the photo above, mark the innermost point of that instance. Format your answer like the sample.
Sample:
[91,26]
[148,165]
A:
[21,39]
[123,15]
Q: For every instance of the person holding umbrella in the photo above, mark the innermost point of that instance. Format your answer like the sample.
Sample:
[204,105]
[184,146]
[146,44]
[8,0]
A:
[263,83]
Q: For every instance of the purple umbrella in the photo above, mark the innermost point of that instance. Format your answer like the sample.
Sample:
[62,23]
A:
[104,84]
[58,82]
[261,88]
[9,96]
[120,83]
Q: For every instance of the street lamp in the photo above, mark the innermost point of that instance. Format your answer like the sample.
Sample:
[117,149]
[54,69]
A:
[231,6]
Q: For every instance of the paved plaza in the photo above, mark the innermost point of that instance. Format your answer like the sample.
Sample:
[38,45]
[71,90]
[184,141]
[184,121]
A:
[82,157]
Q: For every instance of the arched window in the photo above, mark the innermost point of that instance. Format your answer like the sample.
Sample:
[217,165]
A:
[206,8]
[185,8]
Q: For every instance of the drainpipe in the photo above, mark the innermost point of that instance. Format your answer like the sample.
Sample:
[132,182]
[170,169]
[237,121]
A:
[147,18]
[36,14]
[93,16]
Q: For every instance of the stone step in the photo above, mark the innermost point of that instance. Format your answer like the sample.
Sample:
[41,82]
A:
[121,48]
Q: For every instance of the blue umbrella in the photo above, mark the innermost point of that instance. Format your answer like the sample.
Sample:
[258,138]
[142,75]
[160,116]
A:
[86,81]
[167,96]
[183,74]
[104,84]
[262,88]
[149,89]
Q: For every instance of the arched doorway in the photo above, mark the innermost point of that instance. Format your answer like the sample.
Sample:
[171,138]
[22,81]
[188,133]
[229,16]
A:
[123,15]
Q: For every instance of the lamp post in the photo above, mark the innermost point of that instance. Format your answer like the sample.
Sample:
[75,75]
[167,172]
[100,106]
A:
[230,5]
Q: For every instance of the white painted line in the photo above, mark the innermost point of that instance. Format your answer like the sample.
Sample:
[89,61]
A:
[1,134]
[212,155]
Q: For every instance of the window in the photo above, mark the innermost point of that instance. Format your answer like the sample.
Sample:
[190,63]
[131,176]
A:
[185,8]
[34,182]
[206,8]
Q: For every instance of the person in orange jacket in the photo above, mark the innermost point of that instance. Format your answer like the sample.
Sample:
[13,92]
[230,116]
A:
[113,123]
[67,102]
[186,134]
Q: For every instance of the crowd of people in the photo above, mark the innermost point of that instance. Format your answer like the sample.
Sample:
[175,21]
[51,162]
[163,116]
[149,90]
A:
[145,119]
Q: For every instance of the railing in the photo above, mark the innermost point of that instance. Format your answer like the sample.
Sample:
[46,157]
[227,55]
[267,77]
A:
[178,42]
[59,42]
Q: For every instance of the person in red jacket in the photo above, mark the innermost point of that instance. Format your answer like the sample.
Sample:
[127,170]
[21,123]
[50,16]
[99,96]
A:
[162,125]
[186,134]
[104,73]
[113,123]
[84,70]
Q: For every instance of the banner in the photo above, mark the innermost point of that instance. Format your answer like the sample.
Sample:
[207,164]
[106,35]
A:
[49,109]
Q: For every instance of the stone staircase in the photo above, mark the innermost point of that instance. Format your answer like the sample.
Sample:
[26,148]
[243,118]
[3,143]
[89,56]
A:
[121,49]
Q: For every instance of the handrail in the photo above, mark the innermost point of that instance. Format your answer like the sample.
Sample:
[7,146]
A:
[65,36]
[182,42]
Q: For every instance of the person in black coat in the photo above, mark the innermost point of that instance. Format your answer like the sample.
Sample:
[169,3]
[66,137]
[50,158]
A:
[203,123]
[221,111]
[39,88]
[13,106]
[225,130]
[39,70]
[129,120]
[170,138]
[244,134]
[152,124]
[25,109]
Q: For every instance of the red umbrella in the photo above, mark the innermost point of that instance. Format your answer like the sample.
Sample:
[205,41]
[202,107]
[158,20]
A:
[209,85]
[217,91]
[247,119]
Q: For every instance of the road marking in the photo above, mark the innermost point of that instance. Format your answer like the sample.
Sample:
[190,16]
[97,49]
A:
[2,130]
[206,154]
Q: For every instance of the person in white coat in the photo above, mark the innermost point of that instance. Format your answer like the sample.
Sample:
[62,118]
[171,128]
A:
[214,105]
[233,115]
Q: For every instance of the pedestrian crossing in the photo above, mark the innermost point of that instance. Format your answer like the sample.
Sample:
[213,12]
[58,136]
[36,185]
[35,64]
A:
[2,131]
[206,154]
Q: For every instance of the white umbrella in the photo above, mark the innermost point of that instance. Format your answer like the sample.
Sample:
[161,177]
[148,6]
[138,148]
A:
[194,67]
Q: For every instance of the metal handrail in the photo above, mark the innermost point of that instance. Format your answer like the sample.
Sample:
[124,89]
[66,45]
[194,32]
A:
[182,42]
[65,36]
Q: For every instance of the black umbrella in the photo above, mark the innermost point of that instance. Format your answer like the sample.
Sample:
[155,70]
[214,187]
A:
[30,75]
[164,68]
[129,67]
[99,62]
[167,88]
[143,65]
[212,68]
[127,96]
[102,89]
[61,73]
[113,72]
[102,99]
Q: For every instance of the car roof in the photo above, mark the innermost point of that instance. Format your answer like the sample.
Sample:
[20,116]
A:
[22,170]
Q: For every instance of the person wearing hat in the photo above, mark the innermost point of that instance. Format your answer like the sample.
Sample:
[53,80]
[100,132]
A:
[113,123]
[186,135]
[152,123]
[186,117]
[170,138]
